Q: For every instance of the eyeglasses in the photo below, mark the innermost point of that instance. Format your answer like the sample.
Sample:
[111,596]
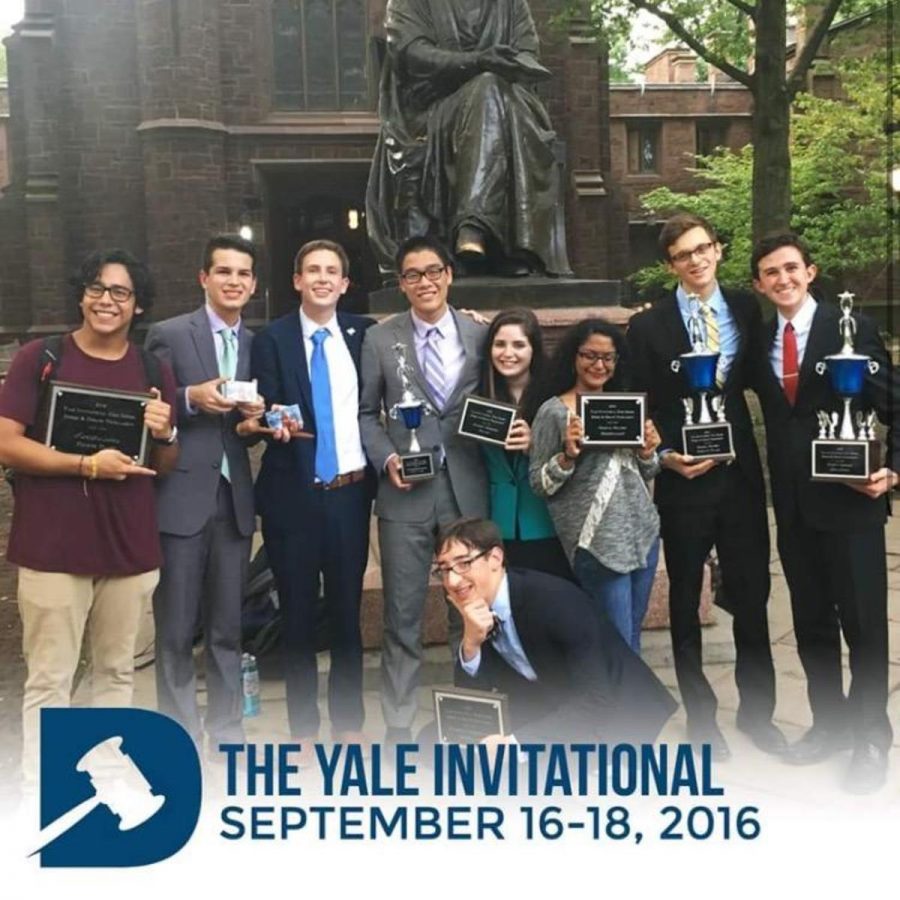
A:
[591,358]
[460,567]
[700,250]
[117,292]
[414,276]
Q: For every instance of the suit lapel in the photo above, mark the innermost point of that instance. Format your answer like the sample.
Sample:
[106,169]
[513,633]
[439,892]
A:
[674,324]
[743,338]
[245,339]
[202,336]
[470,352]
[352,338]
[820,342]
[293,354]
[773,384]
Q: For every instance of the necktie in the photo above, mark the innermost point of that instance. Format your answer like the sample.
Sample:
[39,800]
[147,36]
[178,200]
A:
[790,374]
[326,446]
[433,367]
[227,369]
[712,337]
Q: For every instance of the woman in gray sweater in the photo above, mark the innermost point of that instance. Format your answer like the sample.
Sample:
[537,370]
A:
[598,498]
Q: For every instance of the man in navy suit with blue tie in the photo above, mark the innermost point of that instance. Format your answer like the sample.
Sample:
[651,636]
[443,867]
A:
[314,495]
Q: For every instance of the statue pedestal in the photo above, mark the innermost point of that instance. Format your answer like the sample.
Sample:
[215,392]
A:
[491,293]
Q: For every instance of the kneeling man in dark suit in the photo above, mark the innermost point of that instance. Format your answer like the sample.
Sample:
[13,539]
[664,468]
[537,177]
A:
[568,674]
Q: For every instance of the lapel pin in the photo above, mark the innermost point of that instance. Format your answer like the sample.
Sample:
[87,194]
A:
[351,331]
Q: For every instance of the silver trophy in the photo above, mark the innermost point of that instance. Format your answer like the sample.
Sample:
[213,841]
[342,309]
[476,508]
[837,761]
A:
[703,437]
[851,454]
[415,465]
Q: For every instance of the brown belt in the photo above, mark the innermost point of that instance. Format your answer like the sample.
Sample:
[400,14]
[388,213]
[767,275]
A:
[341,480]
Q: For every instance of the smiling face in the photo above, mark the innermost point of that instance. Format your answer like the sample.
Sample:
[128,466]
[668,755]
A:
[694,258]
[482,579]
[321,283]
[595,364]
[784,278]
[427,297]
[106,317]
[229,283]
[511,352]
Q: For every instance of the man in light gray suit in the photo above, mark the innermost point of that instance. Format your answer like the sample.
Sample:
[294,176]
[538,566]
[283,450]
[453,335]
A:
[444,351]
[206,517]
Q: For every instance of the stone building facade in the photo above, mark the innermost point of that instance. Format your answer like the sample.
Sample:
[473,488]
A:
[150,124]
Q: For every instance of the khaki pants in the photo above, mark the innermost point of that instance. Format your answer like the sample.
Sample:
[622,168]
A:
[55,609]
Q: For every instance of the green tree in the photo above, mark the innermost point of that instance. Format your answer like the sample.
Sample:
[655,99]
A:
[747,40]
[840,155]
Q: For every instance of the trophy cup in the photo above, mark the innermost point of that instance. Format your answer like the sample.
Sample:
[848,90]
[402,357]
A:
[842,452]
[415,465]
[703,436]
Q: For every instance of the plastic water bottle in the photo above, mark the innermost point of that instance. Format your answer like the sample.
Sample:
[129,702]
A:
[250,685]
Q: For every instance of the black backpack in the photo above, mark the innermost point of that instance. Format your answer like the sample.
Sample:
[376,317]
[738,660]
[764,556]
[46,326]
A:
[47,367]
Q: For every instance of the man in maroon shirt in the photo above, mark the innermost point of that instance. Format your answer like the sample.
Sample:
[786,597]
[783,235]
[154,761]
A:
[84,531]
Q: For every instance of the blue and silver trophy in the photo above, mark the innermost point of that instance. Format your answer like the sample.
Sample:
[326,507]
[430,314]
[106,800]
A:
[706,434]
[415,465]
[846,448]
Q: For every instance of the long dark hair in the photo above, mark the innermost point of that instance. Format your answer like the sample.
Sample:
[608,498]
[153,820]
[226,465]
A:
[561,370]
[493,384]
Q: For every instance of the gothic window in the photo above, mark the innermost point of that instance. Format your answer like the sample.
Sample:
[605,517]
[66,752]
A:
[320,55]
[643,148]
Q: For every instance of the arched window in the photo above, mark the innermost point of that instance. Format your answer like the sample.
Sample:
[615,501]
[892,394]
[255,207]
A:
[320,54]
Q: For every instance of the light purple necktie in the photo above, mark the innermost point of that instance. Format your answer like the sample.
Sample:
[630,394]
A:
[433,367]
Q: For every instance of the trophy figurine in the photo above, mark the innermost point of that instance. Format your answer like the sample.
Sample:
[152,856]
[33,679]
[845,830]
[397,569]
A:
[703,436]
[851,454]
[415,465]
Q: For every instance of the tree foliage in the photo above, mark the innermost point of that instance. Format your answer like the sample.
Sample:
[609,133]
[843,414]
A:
[840,156]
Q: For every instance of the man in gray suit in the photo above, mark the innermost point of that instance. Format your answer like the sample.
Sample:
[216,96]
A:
[443,351]
[206,517]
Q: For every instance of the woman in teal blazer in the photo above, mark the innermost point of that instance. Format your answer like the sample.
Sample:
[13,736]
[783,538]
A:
[512,368]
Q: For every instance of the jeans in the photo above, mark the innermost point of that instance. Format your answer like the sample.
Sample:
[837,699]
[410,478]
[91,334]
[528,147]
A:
[623,597]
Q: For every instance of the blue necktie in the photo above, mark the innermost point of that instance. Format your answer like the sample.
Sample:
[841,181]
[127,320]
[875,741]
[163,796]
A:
[326,446]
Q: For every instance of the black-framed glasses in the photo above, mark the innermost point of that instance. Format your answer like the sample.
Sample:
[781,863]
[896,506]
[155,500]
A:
[414,276]
[591,358]
[117,292]
[700,250]
[460,567]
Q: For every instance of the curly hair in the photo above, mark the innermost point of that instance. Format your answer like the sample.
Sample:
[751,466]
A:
[92,265]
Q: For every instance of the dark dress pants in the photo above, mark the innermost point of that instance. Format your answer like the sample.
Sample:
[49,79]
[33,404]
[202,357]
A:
[838,581]
[333,543]
[738,528]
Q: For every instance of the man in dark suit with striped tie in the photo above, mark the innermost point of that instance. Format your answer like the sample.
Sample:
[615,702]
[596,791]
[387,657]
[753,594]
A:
[830,535]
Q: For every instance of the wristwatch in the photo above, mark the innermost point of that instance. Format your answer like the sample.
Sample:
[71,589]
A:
[167,442]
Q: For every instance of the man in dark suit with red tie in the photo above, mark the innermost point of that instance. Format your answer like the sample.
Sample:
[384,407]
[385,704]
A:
[830,535]
[314,496]
[703,503]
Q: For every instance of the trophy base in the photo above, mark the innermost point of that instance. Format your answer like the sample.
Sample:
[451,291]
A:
[713,441]
[836,460]
[417,466]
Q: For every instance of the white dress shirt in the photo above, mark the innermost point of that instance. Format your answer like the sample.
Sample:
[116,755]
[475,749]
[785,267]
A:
[344,391]
[453,354]
[802,323]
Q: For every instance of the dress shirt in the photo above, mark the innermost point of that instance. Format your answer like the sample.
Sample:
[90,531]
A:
[453,354]
[506,642]
[802,323]
[729,337]
[217,326]
[344,382]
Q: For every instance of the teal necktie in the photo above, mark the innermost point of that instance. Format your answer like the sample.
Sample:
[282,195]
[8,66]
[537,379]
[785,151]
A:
[227,353]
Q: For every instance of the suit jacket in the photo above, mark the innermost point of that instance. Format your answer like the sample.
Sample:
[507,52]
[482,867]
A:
[187,495]
[656,337]
[791,430]
[383,435]
[517,510]
[590,685]
[288,471]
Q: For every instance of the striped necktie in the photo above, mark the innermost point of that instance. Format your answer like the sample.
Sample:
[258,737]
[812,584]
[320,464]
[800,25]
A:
[712,337]
[433,367]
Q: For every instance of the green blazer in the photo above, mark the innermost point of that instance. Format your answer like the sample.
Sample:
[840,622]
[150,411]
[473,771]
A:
[517,511]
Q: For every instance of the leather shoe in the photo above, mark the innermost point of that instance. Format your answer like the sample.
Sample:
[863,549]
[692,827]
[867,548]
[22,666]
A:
[868,769]
[816,745]
[766,736]
[709,733]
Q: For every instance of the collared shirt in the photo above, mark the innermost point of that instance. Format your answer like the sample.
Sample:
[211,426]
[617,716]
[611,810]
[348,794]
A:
[729,336]
[802,323]
[506,641]
[216,326]
[453,354]
[344,383]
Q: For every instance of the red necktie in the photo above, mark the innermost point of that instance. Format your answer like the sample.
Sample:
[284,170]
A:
[790,373]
